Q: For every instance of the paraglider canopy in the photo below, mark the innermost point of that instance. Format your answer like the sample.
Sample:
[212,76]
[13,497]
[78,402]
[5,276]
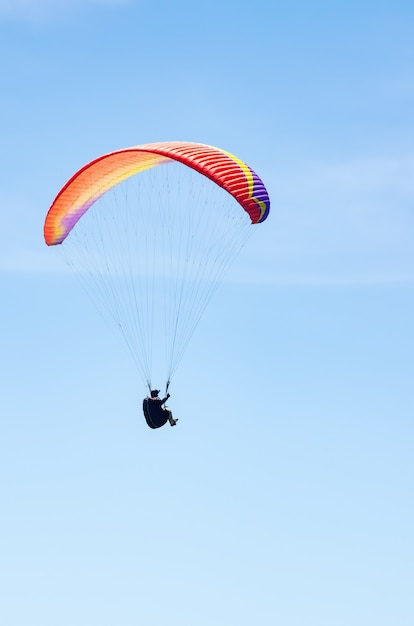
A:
[150,243]
[100,175]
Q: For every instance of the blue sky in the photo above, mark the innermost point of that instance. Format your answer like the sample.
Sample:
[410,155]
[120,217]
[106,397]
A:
[284,495]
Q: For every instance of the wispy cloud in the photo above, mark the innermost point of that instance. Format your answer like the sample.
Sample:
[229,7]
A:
[48,9]
[339,223]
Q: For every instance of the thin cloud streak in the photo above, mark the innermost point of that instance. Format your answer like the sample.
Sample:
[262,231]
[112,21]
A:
[339,223]
[361,175]
[40,10]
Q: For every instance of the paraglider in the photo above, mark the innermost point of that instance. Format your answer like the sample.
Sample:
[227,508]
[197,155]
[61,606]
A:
[151,244]
[156,415]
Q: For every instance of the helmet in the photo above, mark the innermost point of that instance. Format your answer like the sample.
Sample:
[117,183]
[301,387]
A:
[154,393]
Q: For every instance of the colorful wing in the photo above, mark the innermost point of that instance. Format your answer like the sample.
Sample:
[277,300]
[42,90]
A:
[100,175]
